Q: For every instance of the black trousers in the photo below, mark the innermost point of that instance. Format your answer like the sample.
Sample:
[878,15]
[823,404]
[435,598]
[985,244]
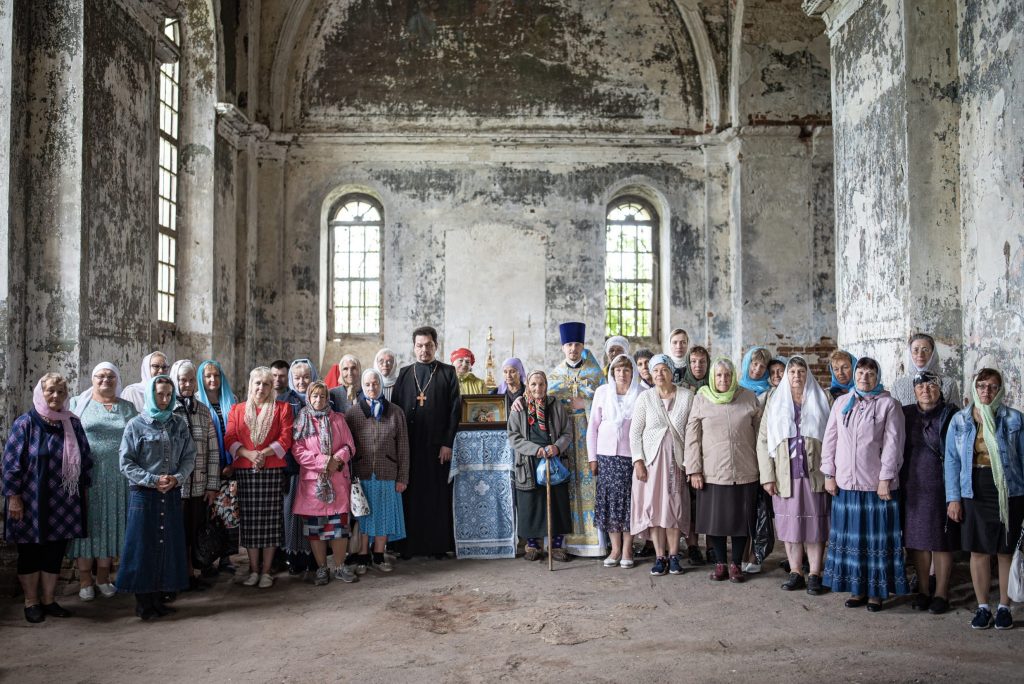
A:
[44,557]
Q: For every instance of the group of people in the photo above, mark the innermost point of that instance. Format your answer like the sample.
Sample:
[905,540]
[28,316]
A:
[652,447]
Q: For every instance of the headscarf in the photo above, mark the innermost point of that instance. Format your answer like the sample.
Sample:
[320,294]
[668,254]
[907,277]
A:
[85,397]
[138,389]
[352,391]
[259,423]
[988,433]
[225,400]
[151,410]
[661,359]
[462,353]
[313,376]
[622,410]
[536,408]
[71,466]
[710,390]
[376,406]
[758,386]
[861,394]
[780,412]
[387,380]
[616,341]
[518,365]
[933,360]
[688,377]
[853,374]
[311,421]
[177,367]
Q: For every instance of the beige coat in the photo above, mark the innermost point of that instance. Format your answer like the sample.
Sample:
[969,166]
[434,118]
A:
[777,469]
[721,439]
[651,424]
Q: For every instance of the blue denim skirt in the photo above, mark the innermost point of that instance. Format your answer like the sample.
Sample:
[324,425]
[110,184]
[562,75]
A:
[154,544]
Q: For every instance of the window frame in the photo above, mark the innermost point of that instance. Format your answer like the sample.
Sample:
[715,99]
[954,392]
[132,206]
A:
[333,223]
[654,222]
[168,107]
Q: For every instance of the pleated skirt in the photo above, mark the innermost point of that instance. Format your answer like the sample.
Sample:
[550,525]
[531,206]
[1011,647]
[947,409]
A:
[865,546]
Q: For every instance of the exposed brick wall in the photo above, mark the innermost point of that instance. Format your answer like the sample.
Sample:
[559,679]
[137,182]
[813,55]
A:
[816,355]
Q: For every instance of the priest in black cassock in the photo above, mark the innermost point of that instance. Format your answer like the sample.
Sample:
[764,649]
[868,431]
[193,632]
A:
[428,393]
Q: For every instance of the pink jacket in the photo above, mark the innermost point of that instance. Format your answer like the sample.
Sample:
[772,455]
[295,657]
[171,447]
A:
[603,440]
[312,463]
[865,446]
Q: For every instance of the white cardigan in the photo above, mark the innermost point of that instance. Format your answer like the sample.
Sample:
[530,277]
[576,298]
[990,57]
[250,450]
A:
[650,423]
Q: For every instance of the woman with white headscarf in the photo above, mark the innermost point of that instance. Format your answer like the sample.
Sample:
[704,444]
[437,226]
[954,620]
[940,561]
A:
[153,364]
[922,356]
[660,505]
[613,347]
[789,460]
[104,416]
[610,459]
[386,364]
[345,395]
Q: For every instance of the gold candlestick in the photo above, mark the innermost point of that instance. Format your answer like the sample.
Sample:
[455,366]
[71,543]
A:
[489,382]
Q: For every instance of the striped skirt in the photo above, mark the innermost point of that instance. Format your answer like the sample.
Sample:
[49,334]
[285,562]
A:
[387,517]
[865,554]
[259,507]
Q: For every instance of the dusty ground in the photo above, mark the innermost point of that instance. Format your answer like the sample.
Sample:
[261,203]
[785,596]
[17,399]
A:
[456,621]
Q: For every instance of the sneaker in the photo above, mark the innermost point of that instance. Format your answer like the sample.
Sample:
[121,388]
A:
[108,590]
[266,581]
[660,566]
[751,568]
[982,619]
[362,561]
[381,563]
[346,574]
[694,555]
[674,568]
[323,576]
[252,580]
[87,593]
[1003,619]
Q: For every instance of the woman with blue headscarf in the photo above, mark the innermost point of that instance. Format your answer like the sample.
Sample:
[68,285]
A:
[841,364]
[298,553]
[754,372]
[861,455]
[157,456]
[214,392]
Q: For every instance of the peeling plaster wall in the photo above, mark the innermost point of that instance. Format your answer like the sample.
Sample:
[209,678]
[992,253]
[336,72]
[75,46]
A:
[991,54]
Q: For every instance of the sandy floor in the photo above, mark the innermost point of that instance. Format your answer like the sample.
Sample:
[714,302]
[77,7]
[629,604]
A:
[512,620]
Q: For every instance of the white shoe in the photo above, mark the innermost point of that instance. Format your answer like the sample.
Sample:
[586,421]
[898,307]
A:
[266,581]
[610,562]
[626,563]
[108,590]
[87,593]
[252,580]
[751,568]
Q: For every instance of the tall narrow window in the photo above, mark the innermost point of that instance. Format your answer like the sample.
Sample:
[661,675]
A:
[630,280]
[167,189]
[356,264]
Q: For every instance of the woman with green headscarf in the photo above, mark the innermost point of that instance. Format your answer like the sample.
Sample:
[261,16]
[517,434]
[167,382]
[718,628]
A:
[984,474]
[721,464]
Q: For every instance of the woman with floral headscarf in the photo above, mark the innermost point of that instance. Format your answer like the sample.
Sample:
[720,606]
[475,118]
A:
[46,469]
[298,553]
[984,474]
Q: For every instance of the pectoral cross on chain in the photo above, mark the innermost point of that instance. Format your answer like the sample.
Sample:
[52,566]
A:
[421,398]
[574,385]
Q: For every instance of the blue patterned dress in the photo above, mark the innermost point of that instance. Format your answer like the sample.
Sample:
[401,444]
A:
[32,462]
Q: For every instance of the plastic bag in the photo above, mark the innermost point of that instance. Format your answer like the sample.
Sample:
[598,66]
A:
[211,542]
[1016,588]
[559,473]
[324,489]
[764,527]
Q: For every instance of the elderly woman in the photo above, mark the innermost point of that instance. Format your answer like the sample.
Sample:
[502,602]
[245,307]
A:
[201,487]
[157,456]
[298,553]
[323,447]
[927,533]
[259,435]
[695,373]
[861,457]
[789,459]
[386,364]
[660,506]
[984,475]
[344,396]
[540,432]
[776,371]
[642,358]
[614,347]
[215,394]
[921,356]
[104,417]
[609,456]
[513,382]
[382,466]
[754,374]
[153,364]
[47,465]
[840,365]
[721,463]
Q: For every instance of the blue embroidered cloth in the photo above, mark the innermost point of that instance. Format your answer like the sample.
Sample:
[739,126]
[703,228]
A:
[482,498]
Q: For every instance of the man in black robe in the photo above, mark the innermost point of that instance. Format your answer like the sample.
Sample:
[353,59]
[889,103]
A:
[428,393]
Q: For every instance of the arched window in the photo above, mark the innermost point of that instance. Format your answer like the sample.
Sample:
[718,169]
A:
[355,249]
[167,182]
[631,255]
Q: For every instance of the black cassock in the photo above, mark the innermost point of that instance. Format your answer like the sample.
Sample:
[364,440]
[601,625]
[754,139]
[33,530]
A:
[428,500]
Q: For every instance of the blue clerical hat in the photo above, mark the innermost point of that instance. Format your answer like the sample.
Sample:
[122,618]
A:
[572,332]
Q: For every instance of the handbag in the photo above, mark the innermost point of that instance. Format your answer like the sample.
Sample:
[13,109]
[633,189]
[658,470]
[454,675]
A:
[1016,583]
[324,489]
[559,473]
[225,506]
[211,542]
[359,505]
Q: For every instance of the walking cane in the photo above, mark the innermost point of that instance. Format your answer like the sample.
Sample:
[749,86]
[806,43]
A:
[547,483]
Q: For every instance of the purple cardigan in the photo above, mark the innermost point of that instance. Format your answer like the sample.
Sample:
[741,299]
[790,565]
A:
[865,446]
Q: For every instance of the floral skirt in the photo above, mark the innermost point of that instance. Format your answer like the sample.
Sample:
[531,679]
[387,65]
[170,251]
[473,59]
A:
[614,492]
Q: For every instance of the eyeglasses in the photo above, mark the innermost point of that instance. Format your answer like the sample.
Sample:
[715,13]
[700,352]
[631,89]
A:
[987,386]
[158,366]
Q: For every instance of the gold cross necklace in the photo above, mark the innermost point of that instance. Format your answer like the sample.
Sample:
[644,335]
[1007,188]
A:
[422,397]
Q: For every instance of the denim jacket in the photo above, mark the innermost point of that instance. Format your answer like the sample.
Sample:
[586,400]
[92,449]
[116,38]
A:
[150,449]
[960,452]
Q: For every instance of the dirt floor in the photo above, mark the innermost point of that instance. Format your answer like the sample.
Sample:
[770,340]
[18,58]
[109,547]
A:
[454,621]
